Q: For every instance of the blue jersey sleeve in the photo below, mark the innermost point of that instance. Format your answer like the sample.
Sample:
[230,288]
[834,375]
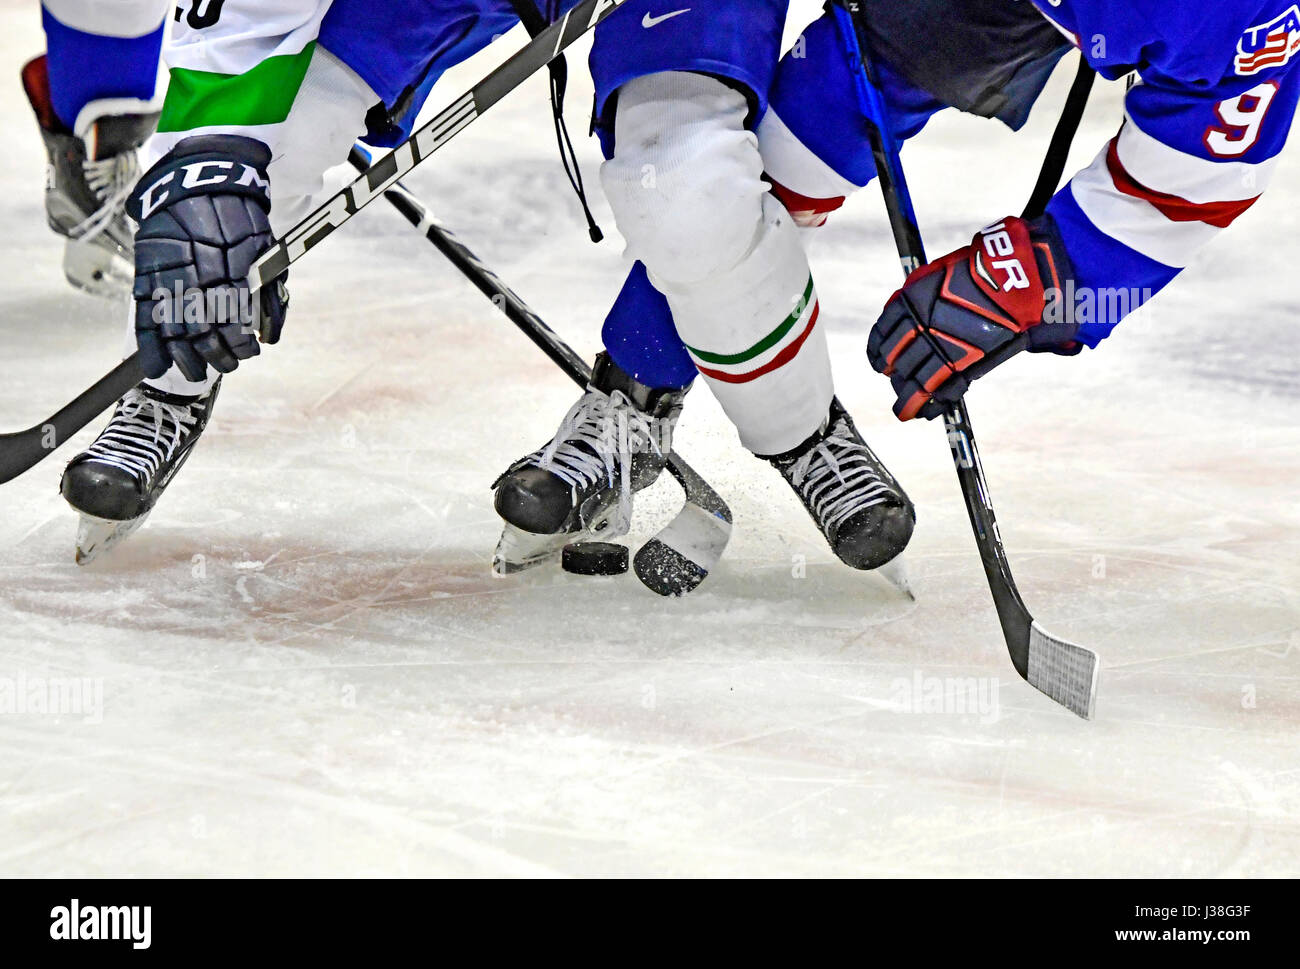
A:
[1202,131]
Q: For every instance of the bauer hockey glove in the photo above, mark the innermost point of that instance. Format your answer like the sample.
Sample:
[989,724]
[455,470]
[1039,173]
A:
[202,212]
[958,317]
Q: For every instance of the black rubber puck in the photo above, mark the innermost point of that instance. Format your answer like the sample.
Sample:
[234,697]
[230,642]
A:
[594,558]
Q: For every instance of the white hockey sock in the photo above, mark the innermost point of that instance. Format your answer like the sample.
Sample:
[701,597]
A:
[687,191]
[755,336]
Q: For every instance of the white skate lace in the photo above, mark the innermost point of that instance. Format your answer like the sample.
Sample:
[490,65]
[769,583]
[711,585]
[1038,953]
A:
[142,435]
[111,179]
[612,429]
[839,477]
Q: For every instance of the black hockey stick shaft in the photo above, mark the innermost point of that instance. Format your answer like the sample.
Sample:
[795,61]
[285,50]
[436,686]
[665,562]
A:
[525,318]
[23,450]
[534,56]
[1058,151]
[1065,672]
[484,279]
[961,435]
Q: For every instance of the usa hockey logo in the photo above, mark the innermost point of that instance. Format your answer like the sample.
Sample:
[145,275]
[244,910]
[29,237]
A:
[1269,45]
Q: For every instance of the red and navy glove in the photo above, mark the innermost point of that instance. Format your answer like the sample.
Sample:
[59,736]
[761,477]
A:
[957,318]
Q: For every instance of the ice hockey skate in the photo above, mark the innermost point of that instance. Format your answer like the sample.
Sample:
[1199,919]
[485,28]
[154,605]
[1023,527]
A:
[91,172]
[614,442]
[850,494]
[115,483]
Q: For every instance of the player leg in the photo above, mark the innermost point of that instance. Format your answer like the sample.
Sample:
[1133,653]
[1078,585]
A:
[728,258]
[615,439]
[319,109]
[300,80]
[93,93]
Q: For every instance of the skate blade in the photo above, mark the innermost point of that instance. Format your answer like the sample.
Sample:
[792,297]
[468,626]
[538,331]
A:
[518,550]
[96,536]
[96,270]
[895,573]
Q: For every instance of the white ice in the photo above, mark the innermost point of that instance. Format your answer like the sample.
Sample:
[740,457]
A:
[308,669]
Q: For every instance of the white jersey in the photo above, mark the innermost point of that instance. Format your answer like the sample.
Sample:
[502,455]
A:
[253,68]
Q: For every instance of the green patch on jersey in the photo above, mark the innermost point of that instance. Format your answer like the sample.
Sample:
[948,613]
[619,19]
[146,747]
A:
[261,96]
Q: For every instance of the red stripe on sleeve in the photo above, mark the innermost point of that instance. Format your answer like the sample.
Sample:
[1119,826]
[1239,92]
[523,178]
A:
[1173,208]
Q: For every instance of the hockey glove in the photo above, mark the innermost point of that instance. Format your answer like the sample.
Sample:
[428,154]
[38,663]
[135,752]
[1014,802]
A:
[202,212]
[957,318]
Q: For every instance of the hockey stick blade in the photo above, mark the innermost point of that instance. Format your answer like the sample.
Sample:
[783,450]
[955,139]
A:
[688,548]
[1063,671]
[444,126]
[23,450]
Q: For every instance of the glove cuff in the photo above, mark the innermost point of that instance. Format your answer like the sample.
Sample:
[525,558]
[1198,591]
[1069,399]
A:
[204,165]
[1058,327]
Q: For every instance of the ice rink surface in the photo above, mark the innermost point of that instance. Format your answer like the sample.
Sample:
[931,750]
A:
[306,667]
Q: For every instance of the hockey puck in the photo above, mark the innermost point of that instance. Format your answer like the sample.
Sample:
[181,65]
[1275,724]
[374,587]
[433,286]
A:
[594,558]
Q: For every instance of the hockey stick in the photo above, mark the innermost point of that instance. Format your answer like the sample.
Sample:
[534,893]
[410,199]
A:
[21,451]
[688,548]
[1058,151]
[1064,671]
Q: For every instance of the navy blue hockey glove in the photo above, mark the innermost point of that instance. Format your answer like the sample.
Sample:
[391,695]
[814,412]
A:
[958,317]
[202,212]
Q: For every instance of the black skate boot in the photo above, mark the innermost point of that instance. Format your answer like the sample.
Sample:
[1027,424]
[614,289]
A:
[89,178]
[116,482]
[855,501]
[614,442]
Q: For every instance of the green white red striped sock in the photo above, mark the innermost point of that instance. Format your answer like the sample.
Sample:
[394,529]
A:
[773,351]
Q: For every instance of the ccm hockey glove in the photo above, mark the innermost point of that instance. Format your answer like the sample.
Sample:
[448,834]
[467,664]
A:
[202,212]
[958,317]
